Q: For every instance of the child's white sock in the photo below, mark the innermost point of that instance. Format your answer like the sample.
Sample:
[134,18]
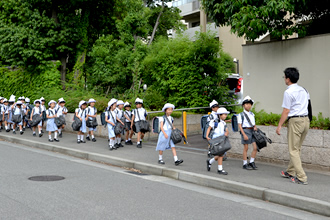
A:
[55,135]
[82,137]
[251,160]
[78,136]
[219,167]
[6,127]
[244,162]
[50,136]
[111,143]
[212,160]
[175,158]
[87,135]
[93,136]
[160,157]
[34,132]
[138,142]
[118,140]
[60,130]
[129,139]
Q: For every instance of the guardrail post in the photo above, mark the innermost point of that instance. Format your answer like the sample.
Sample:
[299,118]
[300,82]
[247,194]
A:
[184,117]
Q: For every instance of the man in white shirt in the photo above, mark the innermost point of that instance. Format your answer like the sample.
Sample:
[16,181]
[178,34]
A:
[295,104]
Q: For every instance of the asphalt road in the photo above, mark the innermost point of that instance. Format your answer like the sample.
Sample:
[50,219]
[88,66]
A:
[96,191]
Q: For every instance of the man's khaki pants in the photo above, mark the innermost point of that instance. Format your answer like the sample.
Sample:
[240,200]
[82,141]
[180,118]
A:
[297,131]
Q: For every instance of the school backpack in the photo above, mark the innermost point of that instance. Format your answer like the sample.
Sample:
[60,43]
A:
[156,124]
[17,118]
[234,122]
[205,124]
[103,122]
[29,108]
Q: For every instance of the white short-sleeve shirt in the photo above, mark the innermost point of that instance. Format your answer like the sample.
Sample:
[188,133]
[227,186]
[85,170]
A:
[91,110]
[81,113]
[119,113]
[296,100]
[219,130]
[111,116]
[17,111]
[60,110]
[50,112]
[212,116]
[4,109]
[43,108]
[36,110]
[142,113]
[128,114]
[166,126]
[246,123]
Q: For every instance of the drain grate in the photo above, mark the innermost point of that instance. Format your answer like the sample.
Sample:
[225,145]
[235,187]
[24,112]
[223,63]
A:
[137,173]
[46,178]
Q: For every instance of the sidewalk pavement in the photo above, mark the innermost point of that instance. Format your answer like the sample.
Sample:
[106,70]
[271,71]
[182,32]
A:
[264,183]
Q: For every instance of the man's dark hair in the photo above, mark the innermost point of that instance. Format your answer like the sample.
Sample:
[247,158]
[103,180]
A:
[292,73]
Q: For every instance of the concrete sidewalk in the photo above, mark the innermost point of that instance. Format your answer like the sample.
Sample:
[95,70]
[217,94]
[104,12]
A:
[264,183]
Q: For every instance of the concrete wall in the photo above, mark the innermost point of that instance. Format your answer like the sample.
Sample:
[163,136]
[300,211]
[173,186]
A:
[264,64]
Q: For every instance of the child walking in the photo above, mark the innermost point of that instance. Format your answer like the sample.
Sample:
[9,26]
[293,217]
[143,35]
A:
[62,111]
[43,110]
[138,114]
[164,138]
[17,109]
[35,111]
[81,113]
[128,121]
[120,119]
[5,113]
[51,114]
[220,128]
[110,118]
[91,113]
[246,124]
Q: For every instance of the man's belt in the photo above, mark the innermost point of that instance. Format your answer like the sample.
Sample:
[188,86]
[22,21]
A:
[298,116]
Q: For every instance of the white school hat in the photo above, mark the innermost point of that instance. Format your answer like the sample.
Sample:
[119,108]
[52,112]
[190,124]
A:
[35,101]
[42,99]
[91,100]
[61,100]
[222,110]
[1,98]
[213,103]
[5,100]
[120,102]
[127,104]
[27,100]
[19,103]
[22,98]
[82,102]
[19,98]
[247,99]
[111,102]
[168,105]
[12,98]
[50,102]
[138,101]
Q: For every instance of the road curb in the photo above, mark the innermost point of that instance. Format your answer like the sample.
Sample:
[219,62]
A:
[295,201]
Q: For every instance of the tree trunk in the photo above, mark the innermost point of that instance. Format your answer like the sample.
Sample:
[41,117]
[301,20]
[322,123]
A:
[156,24]
[63,71]
[79,66]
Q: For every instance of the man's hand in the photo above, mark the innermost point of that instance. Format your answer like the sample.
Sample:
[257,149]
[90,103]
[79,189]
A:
[278,130]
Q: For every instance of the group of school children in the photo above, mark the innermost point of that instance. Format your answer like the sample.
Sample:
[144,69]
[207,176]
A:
[246,124]
[119,112]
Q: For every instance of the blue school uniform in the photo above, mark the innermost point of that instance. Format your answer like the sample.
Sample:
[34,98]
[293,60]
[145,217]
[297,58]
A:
[51,126]
[165,143]
[111,116]
[82,114]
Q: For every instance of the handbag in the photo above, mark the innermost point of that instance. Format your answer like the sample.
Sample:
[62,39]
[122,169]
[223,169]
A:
[259,136]
[17,118]
[36,119]
[176,134]
[144,125]
[76,123]
[219,145]
[91,122]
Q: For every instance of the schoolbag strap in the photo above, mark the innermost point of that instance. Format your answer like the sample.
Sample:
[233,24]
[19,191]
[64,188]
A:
[248,119]
[138,114]
[168,122]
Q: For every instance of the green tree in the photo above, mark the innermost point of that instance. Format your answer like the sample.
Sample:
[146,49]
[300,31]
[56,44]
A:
[280,18]
[188,73]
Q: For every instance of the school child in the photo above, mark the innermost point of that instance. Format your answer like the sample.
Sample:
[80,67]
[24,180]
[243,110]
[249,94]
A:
[5,113]
[120,116]
[17,109]
[62,111]
[220,128]
[51,114]
[11,102]
[43,109]
[35,111]
[164,138]
[28,109]
[24,106]
[81,113]
[247,124]
[91,113]
[111,119]
[138,114]
[128,120]
[1,113]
